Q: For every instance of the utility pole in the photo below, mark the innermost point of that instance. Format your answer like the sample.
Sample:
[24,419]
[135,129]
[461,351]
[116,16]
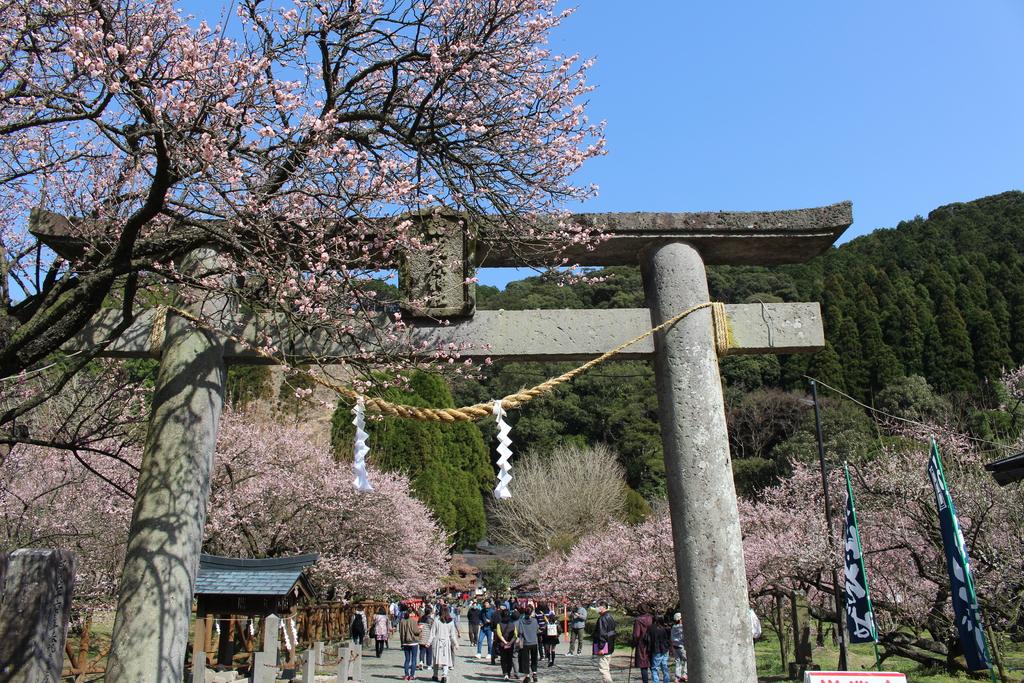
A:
[840,622]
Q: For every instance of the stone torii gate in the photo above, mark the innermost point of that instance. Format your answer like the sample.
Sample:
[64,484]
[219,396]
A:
[151,631]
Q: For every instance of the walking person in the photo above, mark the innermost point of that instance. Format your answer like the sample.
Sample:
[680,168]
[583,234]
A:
[409,635]
[552,631]
[453,609]
[444,641]
[529,634]
[659,642]
[426,654]
[679,648]
[381,630]
[473,617]
[353,667]
[505,635]
[641,652]
[604,641]
[577,628]
[486,630]
[395,610]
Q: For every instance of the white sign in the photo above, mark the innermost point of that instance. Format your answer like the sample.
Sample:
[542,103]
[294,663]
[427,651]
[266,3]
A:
[854,677]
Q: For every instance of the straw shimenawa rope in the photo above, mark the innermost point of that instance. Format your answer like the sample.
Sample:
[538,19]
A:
[477,411]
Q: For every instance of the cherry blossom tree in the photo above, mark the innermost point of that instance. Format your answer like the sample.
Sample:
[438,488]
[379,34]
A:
[275,493]
[53,498]
[301,142]
[787,549]
[632,567]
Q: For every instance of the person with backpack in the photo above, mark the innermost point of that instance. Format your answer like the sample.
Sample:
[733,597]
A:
[604,641]
[659,642]
[552,631]
[409,634]
[529,634]
[356,634]
[506,633]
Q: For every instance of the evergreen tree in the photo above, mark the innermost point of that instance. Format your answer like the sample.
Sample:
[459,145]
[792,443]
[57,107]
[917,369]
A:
[954,363]
[449,464]
[827,367]
[991,355]
[882,364]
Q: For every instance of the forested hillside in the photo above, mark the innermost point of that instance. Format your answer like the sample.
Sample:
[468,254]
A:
[918,318]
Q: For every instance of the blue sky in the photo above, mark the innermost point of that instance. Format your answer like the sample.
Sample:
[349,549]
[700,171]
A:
[899,106]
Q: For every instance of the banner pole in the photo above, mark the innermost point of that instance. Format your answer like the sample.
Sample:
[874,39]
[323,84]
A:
[962,551]
[863,565]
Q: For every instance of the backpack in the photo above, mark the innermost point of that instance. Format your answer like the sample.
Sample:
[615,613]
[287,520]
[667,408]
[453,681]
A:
[511,642]
[357,630]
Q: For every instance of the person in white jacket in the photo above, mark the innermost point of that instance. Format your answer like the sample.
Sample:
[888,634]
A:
[444,639]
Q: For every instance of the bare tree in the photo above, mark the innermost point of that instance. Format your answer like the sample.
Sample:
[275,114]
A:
[559,497]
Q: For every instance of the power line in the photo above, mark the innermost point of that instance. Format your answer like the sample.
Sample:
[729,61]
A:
[998,446]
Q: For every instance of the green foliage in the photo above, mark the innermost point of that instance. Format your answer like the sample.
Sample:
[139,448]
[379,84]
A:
[753,474]
[449,464]
[913,398]
[849,434]
[637,507]
[287,399]
[248,383]
[142,371]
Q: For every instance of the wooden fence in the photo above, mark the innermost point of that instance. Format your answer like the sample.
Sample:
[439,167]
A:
[88,642]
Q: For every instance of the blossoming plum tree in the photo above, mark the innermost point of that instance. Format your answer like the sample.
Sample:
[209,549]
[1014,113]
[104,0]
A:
[300,150]
[787,549]
[631,566]
[274,493]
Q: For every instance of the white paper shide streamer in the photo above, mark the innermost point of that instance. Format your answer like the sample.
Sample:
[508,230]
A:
[501,491]
[287,640]
[360,448]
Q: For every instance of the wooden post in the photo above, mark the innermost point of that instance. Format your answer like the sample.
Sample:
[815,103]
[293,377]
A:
[199,649]
[780,620]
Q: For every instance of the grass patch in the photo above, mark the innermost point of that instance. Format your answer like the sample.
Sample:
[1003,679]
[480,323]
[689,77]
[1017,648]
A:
[862,658]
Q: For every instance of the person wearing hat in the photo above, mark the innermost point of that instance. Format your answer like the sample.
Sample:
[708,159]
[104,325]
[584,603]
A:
[678,647]
[604,641]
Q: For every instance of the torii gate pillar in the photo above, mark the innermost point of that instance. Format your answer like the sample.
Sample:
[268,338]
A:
[702,497]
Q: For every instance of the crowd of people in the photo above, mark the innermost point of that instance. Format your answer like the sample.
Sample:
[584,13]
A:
[520,636]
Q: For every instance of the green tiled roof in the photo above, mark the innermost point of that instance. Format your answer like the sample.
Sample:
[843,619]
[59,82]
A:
[236,576]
